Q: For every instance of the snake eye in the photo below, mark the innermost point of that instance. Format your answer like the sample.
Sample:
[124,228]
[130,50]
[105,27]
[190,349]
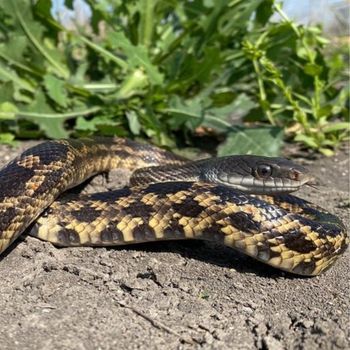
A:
[264,170]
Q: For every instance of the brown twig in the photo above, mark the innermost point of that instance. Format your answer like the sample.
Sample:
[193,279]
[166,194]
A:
[157,324]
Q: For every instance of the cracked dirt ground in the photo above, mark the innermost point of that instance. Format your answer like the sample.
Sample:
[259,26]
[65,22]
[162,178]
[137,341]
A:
[173,295]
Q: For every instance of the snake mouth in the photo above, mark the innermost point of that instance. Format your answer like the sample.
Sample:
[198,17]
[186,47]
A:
[272,185]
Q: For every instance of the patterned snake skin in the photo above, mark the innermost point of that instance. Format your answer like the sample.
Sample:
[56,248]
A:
[283,231]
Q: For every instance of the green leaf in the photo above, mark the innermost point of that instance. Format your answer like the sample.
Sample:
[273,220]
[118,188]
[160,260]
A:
[313,69]
[326,151]
[134,123]
[8,110]
[8,139]
[307,140]
[188,112]
[53,127]
[221,118]
[7,92]
[86,125]
[333,127]
[137,56]
[56,89]
[14,49]
[19,83]
[99,123]
[266,141]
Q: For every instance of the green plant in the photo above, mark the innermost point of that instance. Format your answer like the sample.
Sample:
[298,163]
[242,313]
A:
[165,70]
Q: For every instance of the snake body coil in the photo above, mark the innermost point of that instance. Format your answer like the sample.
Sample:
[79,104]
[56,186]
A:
[283,231]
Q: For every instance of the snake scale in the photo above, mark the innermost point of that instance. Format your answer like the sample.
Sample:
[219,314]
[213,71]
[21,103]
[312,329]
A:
[221,200]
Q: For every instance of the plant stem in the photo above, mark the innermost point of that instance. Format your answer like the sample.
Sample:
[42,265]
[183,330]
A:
[146,24]
[74,114]
[262,92]
[121,63]
[279,10]
[311,58]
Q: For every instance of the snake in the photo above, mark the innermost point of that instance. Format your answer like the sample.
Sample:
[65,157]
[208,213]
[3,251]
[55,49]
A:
[240,201]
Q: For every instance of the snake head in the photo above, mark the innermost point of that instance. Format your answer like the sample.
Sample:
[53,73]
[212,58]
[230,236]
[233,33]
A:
[260,175]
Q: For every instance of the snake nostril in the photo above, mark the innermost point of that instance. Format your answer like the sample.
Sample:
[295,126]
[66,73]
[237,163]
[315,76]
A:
[295,175]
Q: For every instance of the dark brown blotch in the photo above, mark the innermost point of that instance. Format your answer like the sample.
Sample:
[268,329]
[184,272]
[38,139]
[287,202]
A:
[343,247]
[86,214]
[189,207]
[48,152]
[305,268]
[164,188]
[139,209]
[7,217]
[227,194]
[123,154]
[244,222]
[67,237]
[144,233]
[13,179]
[213,233]
[295,240]
[52,180]
[111,196]
[328,225]
[174,230]
[111,234]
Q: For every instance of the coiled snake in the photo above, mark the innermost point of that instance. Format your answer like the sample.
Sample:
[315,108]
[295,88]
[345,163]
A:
[178,199]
